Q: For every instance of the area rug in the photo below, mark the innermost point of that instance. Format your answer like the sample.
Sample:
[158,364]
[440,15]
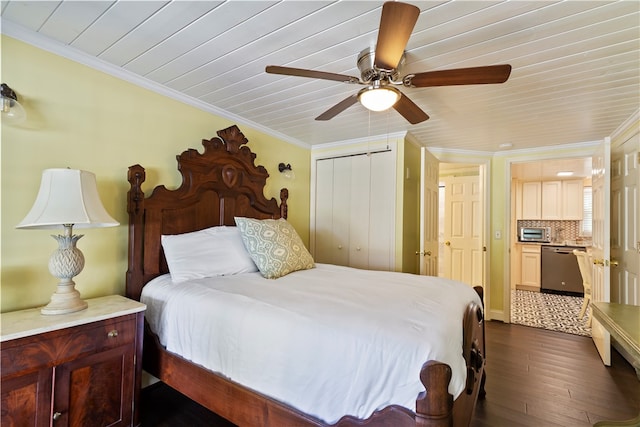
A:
[549,311]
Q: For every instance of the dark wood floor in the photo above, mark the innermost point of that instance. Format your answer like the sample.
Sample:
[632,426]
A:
[534,378]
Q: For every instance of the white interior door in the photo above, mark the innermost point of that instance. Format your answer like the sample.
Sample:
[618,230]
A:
[429,214]
[625,222]
[463,224]
[601,177]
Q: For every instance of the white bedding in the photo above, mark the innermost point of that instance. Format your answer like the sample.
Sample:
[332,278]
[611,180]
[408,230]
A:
[329,341]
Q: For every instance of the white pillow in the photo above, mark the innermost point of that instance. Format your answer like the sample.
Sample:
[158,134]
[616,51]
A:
[215,251]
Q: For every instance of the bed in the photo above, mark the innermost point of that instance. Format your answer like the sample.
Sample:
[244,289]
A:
[223,183]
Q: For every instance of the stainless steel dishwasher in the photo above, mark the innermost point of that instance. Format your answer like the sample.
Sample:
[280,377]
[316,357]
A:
[559,270]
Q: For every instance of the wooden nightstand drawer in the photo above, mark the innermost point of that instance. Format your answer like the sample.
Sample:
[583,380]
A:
[59,346]
[77,369]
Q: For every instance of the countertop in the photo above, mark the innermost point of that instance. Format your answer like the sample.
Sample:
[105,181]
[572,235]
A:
[568,243]
[19,324]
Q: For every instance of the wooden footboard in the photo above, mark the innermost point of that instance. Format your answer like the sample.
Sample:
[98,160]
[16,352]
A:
[434,407]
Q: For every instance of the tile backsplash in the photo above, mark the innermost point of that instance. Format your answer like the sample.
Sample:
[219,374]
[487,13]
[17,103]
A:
[570,229]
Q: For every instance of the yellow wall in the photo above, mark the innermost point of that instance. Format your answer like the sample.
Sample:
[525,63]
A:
[82,118]
[498,248]
[85,119]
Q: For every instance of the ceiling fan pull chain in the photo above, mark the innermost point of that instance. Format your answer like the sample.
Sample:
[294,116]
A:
[388,113]
[369,135]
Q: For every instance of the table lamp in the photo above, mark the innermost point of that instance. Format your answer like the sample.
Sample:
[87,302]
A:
[67,198]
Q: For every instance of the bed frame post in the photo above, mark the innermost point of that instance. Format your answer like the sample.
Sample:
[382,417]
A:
[434,408]
[284,209]
[135,208]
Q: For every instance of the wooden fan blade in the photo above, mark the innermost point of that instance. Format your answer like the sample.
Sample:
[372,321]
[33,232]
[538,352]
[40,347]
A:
[301,72]
[461,76]
[409,110]
[338,108]
[396,24]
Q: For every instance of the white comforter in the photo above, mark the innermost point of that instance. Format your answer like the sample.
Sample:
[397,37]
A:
[329,341]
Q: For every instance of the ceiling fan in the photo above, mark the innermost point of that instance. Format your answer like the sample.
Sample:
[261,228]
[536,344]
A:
[379,70]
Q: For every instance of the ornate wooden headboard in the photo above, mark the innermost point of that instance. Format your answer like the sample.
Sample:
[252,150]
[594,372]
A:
[217,185]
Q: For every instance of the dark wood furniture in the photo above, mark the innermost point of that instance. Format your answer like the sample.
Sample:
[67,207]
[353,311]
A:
[76,369]
[218,184]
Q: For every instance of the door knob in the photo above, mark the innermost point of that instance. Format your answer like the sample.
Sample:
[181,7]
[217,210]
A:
[613,263]
[598,262]
[448,243]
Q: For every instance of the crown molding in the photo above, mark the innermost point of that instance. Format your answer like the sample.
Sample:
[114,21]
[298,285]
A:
[33,38]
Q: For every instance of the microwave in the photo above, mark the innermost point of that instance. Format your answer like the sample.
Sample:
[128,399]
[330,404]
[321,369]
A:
[535,234]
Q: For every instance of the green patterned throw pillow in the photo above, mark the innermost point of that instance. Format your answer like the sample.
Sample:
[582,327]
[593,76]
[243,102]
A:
[274,246]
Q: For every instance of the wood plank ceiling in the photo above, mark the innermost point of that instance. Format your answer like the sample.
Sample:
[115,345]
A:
[575,78]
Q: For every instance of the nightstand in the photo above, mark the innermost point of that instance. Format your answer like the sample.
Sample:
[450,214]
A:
[77,369]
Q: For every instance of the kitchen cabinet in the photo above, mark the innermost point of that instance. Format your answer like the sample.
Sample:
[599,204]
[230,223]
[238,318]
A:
[551,208]
[77,369]
[531,200]
[530,266]
[551,200]
[573,199]
[355,211]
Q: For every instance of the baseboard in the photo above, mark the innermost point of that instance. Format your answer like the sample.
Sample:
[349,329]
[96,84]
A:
[498,315]
[527,288]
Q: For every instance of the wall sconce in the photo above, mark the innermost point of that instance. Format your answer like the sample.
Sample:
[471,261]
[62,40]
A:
[67,197]
[12,111]
[286,171]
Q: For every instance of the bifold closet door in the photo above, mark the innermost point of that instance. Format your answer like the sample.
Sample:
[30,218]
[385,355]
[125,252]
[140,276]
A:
[359,212]
[354,211]
[331,228]
[382,208]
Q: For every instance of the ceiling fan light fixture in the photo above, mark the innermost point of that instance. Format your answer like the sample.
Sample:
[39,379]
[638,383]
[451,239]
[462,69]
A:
[379,98]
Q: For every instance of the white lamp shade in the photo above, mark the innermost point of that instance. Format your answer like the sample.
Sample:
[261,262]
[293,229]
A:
[67,196]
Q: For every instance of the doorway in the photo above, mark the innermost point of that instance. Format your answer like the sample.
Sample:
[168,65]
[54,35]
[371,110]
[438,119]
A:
[551,194]
[460,223]
[430,222]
